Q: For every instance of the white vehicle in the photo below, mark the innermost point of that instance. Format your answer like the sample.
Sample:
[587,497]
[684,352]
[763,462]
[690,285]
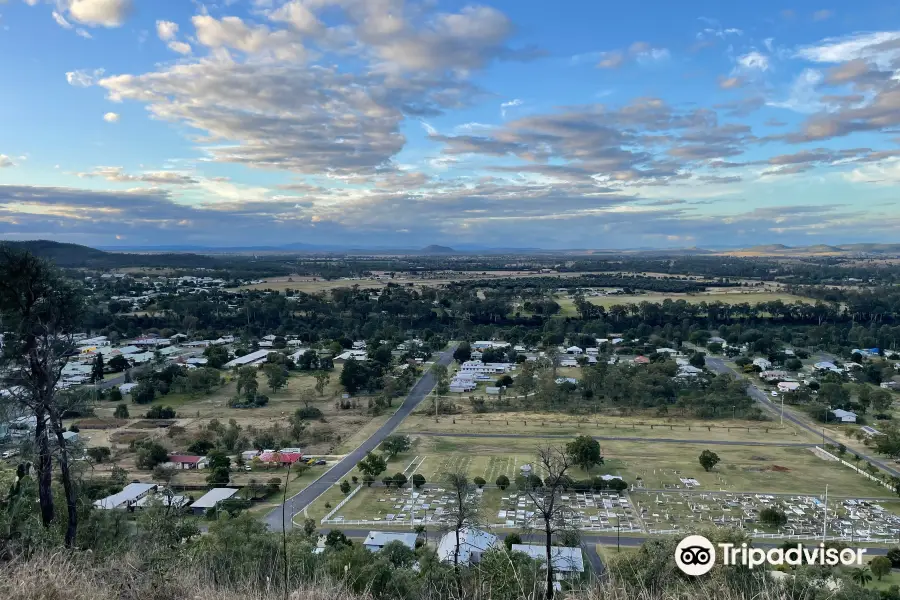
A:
[10,453]
[774,393]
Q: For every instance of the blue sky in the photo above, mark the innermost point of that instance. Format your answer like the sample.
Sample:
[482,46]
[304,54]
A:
[400,123]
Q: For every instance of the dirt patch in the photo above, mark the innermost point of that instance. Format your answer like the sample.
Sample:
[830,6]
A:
[779,469]
[153,423]
[99,423]
[763,458]
[126,437]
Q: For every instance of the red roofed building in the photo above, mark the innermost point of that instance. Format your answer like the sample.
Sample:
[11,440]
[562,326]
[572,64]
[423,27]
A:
[186,461]
[282,458]
[641,360]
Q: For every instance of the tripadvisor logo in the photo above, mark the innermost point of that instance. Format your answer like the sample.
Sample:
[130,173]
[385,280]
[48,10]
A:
[695,555]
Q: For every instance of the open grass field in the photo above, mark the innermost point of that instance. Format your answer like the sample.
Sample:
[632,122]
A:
[311,285]
[637,426]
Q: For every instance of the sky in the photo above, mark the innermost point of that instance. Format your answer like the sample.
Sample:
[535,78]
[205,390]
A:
[402,123]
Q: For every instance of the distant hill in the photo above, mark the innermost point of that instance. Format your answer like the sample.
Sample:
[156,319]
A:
[768,248]
[77,256]
[435,249]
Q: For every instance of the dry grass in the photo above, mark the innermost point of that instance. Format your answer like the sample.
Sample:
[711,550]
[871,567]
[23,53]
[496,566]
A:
[62,576]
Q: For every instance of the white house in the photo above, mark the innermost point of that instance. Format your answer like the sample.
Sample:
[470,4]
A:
[472,544]
[127,497]
[762,363]
[574,350]
[249,359]
[844,416]
[788,386]
[478,367]
[359,355]
[211,499]
[567,562]
[376,540]
[827,366]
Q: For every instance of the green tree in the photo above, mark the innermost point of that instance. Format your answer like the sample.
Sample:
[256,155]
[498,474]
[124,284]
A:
[216,356]
[115,395]
[395,444]
[99,454]
[772,517]
[502,482]
[880,566]
[585,452]
[698,360]
[463,352]
[345,487]
[708,460]
[511,539]
[479,481]
[97,369]
[418,480]
[118,363]
[144,393]
[861,576]
[121,412]
[246,381]
[322,380]
[894,556]
[398,554]
[150,454]
[372,465]
[400,480]
[276,378]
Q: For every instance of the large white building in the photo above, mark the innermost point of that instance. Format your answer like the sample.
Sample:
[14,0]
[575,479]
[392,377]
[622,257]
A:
[127,497]
[472,544]
[253,358]
[479,368]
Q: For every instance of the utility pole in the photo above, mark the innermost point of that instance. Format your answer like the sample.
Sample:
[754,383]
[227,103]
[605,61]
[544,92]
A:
[825,518]
[782,410]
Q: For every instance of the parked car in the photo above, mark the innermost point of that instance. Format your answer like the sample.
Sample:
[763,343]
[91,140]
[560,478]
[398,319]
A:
[774,393]
[319,463]
[10,453]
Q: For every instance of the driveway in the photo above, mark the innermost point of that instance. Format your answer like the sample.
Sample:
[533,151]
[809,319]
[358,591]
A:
[297,503]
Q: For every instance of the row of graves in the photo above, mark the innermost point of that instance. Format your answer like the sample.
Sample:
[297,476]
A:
[422,506]
[806,515]
[596,511]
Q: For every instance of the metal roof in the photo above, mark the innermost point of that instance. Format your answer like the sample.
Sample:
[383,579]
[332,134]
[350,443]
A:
[213,497]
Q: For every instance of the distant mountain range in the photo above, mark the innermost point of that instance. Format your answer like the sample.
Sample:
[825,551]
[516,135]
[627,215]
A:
[74,255]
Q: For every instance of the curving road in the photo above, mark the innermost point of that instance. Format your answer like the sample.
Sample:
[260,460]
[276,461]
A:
[332,476]
[718,365]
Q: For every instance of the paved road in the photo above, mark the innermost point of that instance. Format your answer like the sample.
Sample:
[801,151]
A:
[718,365]
[614,439]
[297,503]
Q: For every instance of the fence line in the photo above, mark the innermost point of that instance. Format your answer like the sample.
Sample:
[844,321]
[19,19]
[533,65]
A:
[341,504]
[821,451]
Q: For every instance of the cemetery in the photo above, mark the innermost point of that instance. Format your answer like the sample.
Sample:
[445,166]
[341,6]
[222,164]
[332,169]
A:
[847,519]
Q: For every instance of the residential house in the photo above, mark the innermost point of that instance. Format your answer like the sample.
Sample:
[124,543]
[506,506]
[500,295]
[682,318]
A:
[127,387]
[376,540]
[187,461]
[253,358]
[562,380]
[716,340]
[472,544]
[568,563]
[869,431]
[592,351]
[827,366]
[844,416]
[478,367]
[762,363]
[774,375]
[280,458]
[358,355]
[211,499]
[788,386]
[641,360]
[890,385]
[574,350]
[130,494]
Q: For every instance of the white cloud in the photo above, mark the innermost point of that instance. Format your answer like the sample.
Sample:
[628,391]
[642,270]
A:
[111,117]
[84,33]
[180,47]
[804,96]
[510,104]
[886,172]
[754,61]
[61,20]
[108,13]
[872,46]
[6,161]
[82,78]
[233,32]
[166,30]
[653,55]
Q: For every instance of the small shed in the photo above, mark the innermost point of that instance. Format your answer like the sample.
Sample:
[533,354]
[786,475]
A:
[211,499]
